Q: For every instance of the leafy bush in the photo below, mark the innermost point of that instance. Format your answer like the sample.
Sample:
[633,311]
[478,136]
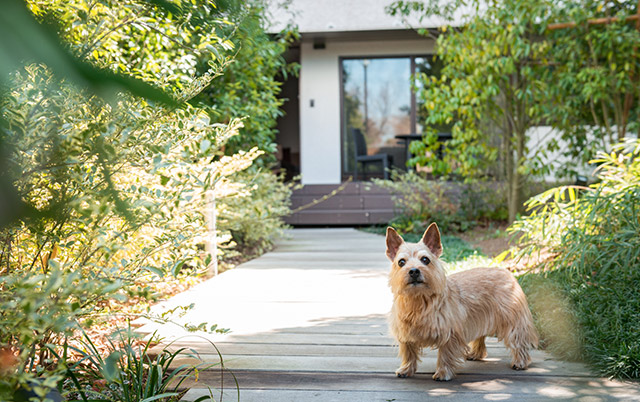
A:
[251,84]
[454,206]
[483,201]
[165,43]
[419,202]
[255,220]
[592,235]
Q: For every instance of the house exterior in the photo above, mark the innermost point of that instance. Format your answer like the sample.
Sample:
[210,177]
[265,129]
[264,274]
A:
[356,63]
[350,51]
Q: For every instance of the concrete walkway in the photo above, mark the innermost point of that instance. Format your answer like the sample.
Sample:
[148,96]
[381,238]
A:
[308,323]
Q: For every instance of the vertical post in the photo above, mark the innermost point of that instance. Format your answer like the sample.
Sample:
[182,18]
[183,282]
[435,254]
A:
[365,64]
[413,114]
[211,244]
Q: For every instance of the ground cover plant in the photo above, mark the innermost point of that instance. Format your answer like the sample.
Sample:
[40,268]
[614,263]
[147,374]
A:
[111,187]
[590,244]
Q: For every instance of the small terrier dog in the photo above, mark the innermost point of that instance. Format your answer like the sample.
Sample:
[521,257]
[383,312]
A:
[454,313]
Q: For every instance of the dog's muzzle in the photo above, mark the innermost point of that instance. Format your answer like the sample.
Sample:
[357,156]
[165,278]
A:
[414,276]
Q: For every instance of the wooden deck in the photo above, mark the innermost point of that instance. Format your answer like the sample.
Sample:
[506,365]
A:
[308,324]
[359,203]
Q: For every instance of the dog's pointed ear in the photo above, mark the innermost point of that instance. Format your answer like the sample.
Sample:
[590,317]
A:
[394,241]
[431,239]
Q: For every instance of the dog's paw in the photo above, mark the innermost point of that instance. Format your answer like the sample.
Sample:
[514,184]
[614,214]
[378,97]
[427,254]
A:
[476,355]
[443,375]
[404,374]
[475,358]
[406,371]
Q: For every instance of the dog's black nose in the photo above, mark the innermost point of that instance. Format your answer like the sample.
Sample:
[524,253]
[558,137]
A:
[414,273]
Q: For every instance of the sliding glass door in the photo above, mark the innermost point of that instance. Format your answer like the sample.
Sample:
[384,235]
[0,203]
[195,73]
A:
[378,101]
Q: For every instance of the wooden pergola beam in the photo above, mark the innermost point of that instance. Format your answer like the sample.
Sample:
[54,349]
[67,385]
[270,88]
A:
[596,21]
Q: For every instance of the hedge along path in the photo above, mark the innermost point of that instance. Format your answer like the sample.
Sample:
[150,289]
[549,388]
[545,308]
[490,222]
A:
[308,323]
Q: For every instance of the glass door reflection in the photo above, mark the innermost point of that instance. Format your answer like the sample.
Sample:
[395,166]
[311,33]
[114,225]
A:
[376,95]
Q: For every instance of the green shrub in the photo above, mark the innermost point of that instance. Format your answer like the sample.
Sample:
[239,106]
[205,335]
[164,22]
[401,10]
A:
[251,84]
[419,202]
[127,181]
[484,201]
[454,206]
[255,219]
[593,235]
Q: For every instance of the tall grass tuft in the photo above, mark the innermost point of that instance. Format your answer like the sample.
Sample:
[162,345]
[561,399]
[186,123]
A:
[593,236]
[129,371]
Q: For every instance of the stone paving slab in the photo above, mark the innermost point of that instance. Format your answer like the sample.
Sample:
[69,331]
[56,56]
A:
[308,323]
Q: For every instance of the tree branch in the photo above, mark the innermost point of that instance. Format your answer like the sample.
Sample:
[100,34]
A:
[596,21]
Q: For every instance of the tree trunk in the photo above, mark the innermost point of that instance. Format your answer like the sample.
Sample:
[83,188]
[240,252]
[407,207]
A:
[514,199]
[515,186]
[516,124]
[510,171]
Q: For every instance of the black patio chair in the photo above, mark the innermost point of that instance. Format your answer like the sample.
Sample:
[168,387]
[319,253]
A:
[361,156]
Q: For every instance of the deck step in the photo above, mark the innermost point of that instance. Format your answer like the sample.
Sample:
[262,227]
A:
[359,203]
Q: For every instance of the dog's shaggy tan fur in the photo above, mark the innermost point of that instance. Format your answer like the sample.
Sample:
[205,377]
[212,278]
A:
[453,313]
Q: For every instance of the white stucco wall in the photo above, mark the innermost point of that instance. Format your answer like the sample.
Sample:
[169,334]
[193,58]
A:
[539,138]
[320,83]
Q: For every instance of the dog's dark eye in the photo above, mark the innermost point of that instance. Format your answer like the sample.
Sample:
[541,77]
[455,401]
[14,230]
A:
[425,260]
[401,262]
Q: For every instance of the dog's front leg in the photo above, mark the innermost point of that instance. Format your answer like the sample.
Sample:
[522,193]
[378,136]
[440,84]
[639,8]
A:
[409,353]
[450,358]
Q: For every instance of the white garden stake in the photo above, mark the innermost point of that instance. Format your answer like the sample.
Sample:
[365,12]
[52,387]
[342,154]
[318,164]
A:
[211,245]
